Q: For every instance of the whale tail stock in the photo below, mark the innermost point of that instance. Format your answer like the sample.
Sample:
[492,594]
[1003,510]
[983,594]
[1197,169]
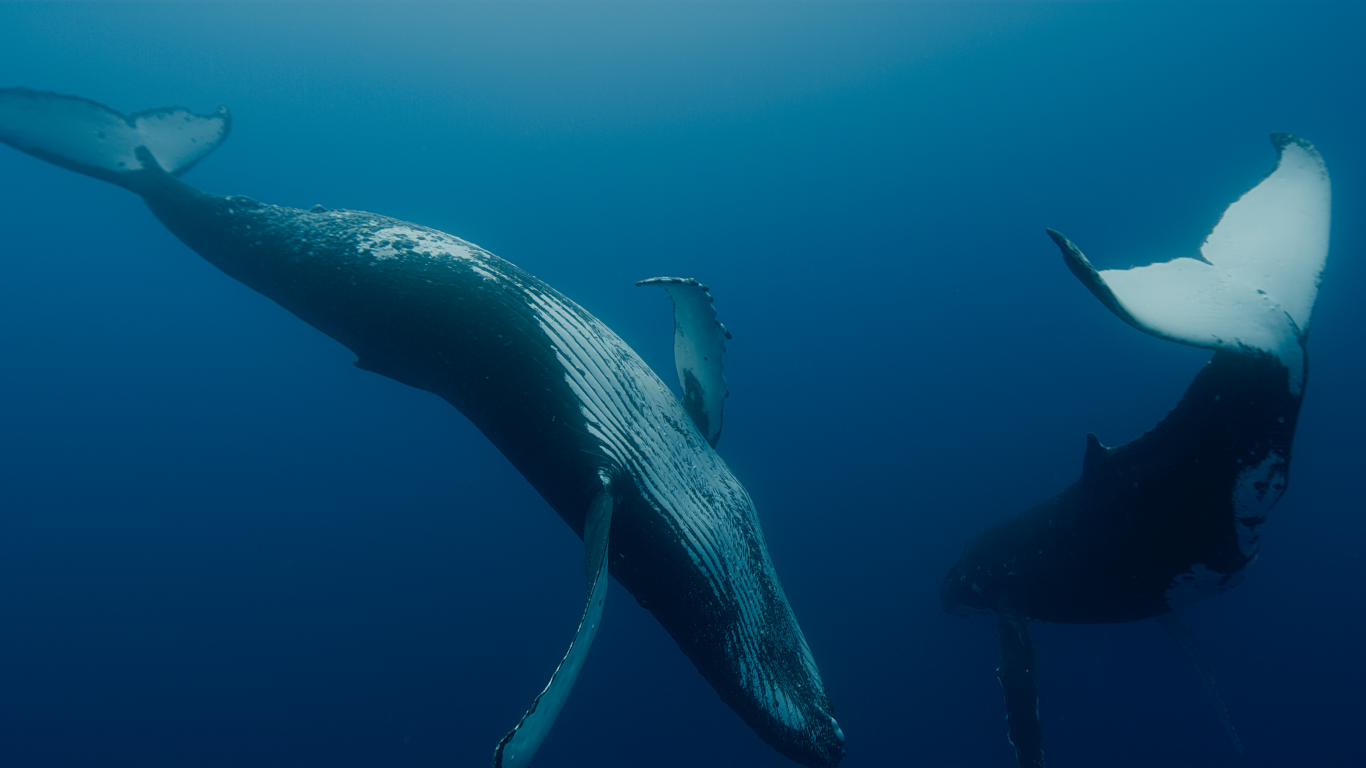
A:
[1252,288]
[90,138]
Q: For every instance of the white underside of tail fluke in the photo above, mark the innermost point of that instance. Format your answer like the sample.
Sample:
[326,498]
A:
[91,138]
[1254,289]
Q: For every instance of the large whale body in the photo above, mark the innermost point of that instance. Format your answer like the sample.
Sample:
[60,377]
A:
[628,466]
[1174,516]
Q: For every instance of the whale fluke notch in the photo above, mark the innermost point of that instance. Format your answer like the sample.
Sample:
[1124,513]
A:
[1253,287]
[699,342]
[519,746]
[90,138]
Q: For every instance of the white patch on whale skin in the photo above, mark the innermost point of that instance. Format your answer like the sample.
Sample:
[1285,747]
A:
[645,432]
[1254,494]
[1199,583]
[380,245]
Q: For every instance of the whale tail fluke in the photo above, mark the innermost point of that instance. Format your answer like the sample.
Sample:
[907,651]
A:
[1252,288]
[93,139]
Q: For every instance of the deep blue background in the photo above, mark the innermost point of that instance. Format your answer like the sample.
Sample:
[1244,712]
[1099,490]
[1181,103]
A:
[222,545]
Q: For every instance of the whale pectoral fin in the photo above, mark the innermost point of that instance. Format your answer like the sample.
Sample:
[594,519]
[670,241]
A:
[1019,682]
[1179,627]
[1254,285]
[699,342]
[519,746]
[90,138]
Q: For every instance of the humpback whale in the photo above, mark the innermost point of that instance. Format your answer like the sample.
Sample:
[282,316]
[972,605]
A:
[627,465]
[1174,516]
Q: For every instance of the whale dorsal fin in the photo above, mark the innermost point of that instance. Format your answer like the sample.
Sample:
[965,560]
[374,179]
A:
[1254,286]
[699,341]
[90,138]
[1094,460]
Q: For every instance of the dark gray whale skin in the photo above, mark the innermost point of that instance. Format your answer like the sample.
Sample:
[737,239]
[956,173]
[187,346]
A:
[422,330]
[438,325]
[1114,544]
[1175,516]
[1151,526]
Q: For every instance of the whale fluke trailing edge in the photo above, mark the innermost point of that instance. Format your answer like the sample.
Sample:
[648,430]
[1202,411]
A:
[1174,516]
[630,468]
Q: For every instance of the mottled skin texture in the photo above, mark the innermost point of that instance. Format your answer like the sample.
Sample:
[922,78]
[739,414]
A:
[1109,547]
[439,325]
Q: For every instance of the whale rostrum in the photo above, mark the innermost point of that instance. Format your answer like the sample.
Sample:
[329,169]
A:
[629,467]
[1174,516]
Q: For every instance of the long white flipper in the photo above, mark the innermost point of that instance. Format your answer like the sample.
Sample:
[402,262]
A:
[1018,674]
[1179,627]
[699,341]
[519,746]
[90,138]
[1255,284]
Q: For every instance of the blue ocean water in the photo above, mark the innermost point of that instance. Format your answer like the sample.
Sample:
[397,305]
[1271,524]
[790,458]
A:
[223,545]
